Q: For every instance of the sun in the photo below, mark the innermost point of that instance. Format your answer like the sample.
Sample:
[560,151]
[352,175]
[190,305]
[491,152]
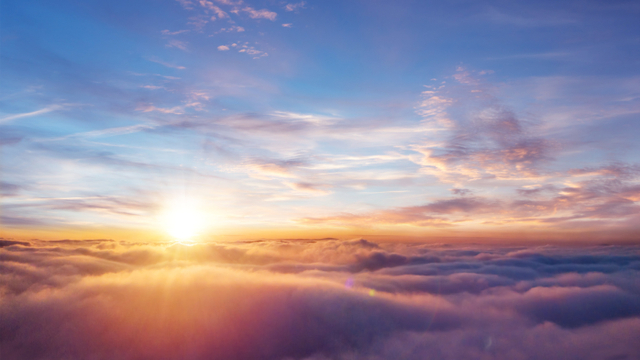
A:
[183,219]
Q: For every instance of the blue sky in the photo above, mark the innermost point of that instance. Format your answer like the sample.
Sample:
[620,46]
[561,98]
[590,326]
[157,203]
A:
[323,118]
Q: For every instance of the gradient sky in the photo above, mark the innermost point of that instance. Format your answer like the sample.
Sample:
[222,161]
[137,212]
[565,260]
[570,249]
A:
[504,119]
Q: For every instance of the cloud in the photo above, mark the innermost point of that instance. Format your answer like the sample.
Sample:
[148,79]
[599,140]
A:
[187,4]
[605,197]
[236,7]
[260,14]
[209,6]
[250,50]
[152,87]
[169,65]
[177,44]
[167,32]
[533,191]
[432,214]
[198,22]
[233,28]
[316,299]
[574,306]
[294,6]
[287,25]
[45,110]
[110,208]
[4,243]
[617,170]
[176,110]
[264,167]
[308,187]
[485,138]
[461,192]
[18,221]
[8,189]
[230,2]
[223,48]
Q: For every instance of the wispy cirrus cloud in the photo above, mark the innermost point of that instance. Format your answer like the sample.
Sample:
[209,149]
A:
[42,111]
[182,45]
[603,200]
[8,189]
[168,32]
[432,214]
[164,63]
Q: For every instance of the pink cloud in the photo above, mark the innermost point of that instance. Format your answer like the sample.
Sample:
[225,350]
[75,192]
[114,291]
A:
[288,299]
[294,6]
[260,14]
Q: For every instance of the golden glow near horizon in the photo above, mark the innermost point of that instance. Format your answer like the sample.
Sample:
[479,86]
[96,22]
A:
[183,219]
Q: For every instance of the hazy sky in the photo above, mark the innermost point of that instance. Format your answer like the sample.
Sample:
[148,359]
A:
[320,118]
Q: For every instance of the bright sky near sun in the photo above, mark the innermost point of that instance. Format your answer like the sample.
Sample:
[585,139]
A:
[272,118]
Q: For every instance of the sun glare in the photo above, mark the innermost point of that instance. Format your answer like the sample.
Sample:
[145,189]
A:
[183,220]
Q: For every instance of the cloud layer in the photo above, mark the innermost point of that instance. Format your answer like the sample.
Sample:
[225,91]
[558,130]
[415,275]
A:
[317,299]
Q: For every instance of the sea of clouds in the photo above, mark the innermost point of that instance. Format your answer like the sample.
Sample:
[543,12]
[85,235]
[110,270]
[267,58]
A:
[317,299]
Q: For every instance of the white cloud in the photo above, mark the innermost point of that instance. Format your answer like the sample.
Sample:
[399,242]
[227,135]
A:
[287,25]
[260,14]
[209,6]
[30,114]
[233,28]
[245,48]
[293,7]
[223,48]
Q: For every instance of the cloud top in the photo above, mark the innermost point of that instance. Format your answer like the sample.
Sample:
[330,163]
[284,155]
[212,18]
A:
[316,299]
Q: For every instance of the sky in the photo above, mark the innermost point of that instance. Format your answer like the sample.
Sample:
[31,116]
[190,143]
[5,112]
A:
[232,119]
[315,180]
